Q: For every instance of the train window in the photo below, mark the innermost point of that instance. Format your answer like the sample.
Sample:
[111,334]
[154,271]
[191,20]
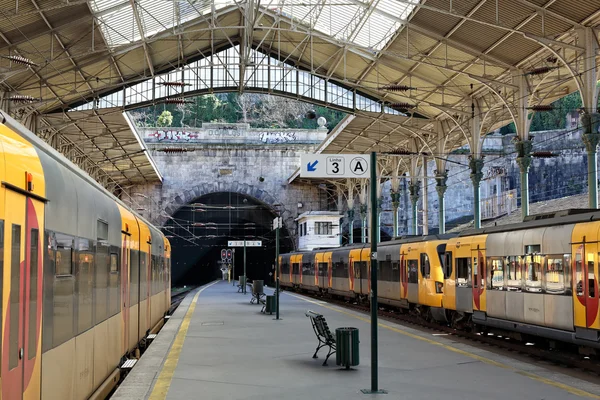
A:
[101,230]
[395,271]
[533,279]
[554,274]
[15,292]
[579,273]
[322,269]
[495,279]
[447,264]
[425,266]
[385,271]
[413,268]
[513,273]
[114,263]
[64,261]
[463,272]
[591,277]
[295,268]
[33,292]
[307,269]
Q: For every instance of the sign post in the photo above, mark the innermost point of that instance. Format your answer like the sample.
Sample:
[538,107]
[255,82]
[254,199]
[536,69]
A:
[334,166]
[233,263]
[354,166]
[244,243]
[277,225]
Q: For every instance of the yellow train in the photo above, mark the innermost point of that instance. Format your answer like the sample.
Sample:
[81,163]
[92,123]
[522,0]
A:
[536,279]
[84,279]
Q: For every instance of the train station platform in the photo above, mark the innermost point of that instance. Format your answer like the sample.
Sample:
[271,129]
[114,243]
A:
[219,346]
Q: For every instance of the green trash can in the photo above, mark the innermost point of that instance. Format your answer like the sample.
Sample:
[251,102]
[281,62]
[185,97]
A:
[346,352]
[270,304]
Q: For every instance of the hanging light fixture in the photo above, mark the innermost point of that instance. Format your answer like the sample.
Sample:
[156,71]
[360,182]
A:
[20,60]
[396,88]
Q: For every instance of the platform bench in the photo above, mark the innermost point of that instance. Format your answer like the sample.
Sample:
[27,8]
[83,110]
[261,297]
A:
[323,334]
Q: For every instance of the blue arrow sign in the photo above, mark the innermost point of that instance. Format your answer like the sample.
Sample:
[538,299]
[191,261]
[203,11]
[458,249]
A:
[311,166]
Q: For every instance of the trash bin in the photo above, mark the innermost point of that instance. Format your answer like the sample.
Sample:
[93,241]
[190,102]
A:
[270,304]
[346,353]
[258,286]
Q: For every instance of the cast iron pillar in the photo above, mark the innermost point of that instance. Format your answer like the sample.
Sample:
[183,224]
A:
[363,218]
[379,207]
[395,206]
[414,188]
[350,226]
[440,187]
[476,165]
[591,137]
[524,160]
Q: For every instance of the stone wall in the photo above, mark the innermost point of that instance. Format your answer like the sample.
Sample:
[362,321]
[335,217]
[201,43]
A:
[258,171]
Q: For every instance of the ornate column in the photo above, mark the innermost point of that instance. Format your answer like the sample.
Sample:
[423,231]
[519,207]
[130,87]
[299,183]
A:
[440,187]
[414,188]
[476,165]
[591,137]
[363,218]
[350,226]
[524,161]
[395,206]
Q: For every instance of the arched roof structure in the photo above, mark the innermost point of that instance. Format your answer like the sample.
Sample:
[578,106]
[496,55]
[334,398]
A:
[444,60]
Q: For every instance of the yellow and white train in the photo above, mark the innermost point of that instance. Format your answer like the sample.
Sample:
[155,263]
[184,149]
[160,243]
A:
[84,279]
[538,278]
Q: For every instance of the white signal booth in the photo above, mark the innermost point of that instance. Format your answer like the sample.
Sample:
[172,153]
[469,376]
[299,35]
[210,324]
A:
[318,229]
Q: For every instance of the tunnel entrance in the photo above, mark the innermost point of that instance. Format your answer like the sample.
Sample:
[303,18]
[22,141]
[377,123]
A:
[199,230]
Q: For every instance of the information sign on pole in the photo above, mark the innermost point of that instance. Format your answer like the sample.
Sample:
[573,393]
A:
[334,166]
[240,243]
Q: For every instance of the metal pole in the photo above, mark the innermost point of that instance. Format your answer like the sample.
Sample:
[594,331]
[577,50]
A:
[245,276]
[233,262]
[277,271]
[375,228]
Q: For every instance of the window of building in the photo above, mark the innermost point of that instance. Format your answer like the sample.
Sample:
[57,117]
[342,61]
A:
[323,228]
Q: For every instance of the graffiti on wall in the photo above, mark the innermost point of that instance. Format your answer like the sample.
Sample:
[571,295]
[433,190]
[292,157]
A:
[173,135]
[277,137]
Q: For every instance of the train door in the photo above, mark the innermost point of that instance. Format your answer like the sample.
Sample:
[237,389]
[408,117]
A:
[125,253]
[403,276]
[478,279]
[22,270]
[586,285]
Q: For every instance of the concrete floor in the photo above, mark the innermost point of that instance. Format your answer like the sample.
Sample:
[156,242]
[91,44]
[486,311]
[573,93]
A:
[232,351]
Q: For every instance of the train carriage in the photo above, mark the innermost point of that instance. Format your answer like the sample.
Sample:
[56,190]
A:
[74,275]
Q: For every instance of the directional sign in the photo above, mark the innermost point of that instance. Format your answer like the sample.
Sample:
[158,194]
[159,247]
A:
[240,243]
[334,166]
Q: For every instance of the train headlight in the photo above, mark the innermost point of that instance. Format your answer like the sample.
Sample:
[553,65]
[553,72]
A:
[439,287]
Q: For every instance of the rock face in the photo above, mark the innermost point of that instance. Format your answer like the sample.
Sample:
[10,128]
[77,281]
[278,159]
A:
[228,158]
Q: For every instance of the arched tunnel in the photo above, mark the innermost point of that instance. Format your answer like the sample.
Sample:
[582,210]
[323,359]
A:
[198,232]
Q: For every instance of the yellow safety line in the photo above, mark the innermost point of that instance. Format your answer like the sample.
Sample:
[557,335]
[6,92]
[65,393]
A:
[536,377]
[159,392]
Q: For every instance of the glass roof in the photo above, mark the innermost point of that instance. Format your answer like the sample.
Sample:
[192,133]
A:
[367,23]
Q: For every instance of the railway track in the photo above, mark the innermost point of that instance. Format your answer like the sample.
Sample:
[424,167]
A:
[565,358]
[177,298]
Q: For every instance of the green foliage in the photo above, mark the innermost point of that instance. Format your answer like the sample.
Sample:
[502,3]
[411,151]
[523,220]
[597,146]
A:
[260,111]
[165,119]
[556,119]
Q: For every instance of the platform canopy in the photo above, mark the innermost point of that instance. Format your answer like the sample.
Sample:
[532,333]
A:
[436,60]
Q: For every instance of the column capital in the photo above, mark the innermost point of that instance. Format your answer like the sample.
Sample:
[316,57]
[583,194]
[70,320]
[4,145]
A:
[591,141]
[414,188]
[476,165]
[523,148]
[363,209]
[395,198]
[351,214]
